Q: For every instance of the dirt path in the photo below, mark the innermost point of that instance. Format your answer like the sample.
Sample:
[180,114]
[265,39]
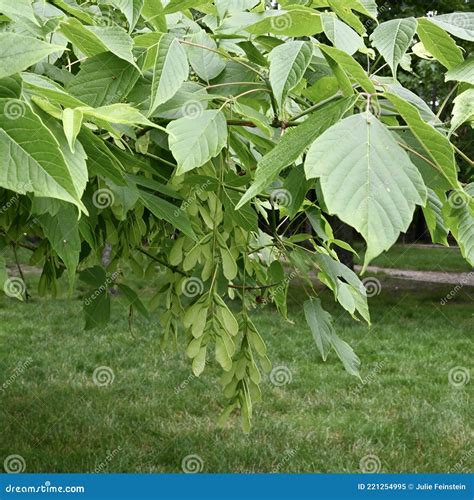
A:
[465,279]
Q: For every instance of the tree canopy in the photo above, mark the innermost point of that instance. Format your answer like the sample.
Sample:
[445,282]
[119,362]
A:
[193,138]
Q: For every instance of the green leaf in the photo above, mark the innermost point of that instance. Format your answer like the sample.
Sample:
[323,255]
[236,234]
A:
[206,63]
[11,86]
[97,309]
[179,5]
[463,110]
[288,62]
[74,11]
[462,73]
[322,89]
[342,36]
[194,141]
[62,231]
[44,87]
[31,158]
[93,40]
[165,210]
[100,160]
[170,70]
[103,79]
[350,66]
[320,324]
[19,52]
[434,218]
[460,217]
[133,300]
[436,145]
[393,38]
[343,9]
[18,8]
[118,113]
[293,143]
[439,44]
[291,21]
[131,9]
[367,180]
[459,24]
[72,123]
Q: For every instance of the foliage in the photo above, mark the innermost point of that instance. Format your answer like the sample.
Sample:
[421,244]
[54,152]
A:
[195,134]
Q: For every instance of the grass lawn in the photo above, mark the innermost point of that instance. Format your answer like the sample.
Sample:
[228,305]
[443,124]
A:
[420,259]
[155,413]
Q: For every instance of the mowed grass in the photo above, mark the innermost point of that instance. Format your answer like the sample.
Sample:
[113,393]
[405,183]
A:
[155,413]
[441,259]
